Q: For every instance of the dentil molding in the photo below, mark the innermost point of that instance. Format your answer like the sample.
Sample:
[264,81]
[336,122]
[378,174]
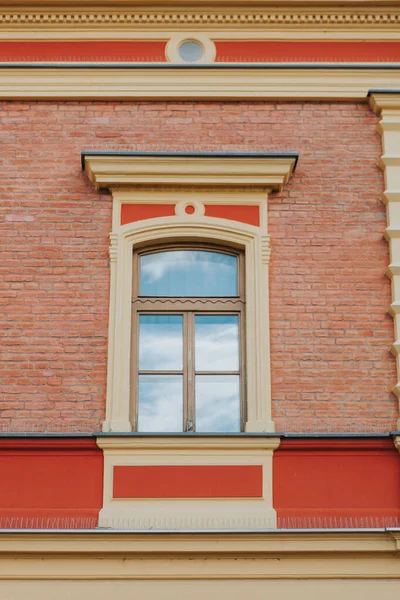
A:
[233,15]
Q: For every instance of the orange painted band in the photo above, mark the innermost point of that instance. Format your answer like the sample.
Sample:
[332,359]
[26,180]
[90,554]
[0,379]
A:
[137,212]
[229,51]
[308,52]
[243,214]
[93,51]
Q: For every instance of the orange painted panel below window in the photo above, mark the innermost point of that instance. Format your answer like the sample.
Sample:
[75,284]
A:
[337,483]
[138,212]
[50,483]
[308,51]
[244,214]
[208,481]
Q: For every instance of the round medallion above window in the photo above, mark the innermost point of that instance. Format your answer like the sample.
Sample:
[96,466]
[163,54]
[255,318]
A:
[190,49]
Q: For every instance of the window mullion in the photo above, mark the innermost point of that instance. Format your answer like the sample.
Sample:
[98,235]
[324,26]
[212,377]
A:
[191,415]
[134,375]
[185,370]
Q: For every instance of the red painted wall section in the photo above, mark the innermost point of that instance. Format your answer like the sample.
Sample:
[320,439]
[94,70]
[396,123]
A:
[296,52]
[139,212]
[50,483]
[229,51]
[243,214]
[93,51]
[205,481]
[337,483]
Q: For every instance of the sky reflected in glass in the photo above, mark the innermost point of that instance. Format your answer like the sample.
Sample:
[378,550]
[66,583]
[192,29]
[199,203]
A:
[217,403]
[160,403]
[160,342]
[217,342]
[188,273]
[190,51]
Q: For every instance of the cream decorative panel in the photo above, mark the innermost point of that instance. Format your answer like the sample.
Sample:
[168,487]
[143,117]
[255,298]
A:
[189,510]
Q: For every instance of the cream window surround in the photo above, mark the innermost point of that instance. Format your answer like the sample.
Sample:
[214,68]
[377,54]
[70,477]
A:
[198,180]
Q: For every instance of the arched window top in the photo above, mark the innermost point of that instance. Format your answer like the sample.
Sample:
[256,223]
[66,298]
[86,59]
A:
[188,273]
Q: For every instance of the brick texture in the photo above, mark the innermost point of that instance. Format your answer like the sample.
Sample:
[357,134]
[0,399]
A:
[330,332]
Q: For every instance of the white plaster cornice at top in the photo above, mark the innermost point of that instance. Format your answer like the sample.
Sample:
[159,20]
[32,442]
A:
[61,16]
[199,4]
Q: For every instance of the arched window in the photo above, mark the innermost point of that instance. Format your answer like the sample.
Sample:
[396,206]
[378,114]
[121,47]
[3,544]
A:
[188,347]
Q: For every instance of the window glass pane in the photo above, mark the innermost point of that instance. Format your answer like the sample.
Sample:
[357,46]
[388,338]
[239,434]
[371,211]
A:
[160,342]
[188,273]
[217,342]
[190,51]
[217,403]
[160,403]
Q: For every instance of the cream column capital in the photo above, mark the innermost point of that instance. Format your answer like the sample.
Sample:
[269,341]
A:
[384,100]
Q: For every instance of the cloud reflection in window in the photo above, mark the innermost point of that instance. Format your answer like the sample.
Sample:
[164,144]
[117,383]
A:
[160,342]
[188,273]
[217,342]
[217,403]
[160,403]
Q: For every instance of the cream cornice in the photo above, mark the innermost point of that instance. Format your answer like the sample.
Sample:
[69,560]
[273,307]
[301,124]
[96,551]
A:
[217,4]
[101,542]
[202,556]
[270,172]
[188,443]
[38,560]
[201,83]
[210,15]
[380,101]
[257,19]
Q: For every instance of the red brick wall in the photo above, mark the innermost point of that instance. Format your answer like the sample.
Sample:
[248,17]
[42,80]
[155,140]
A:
[331,368]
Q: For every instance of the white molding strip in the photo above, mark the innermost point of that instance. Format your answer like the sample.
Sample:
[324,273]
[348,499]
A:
[139,82]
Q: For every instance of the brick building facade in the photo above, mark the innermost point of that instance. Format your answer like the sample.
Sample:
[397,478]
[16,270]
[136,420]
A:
[329,292]
[275,145]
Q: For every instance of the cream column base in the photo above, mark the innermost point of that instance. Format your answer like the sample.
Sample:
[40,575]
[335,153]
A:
[180,517]
[260,426]
[187,513]
[120,426]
